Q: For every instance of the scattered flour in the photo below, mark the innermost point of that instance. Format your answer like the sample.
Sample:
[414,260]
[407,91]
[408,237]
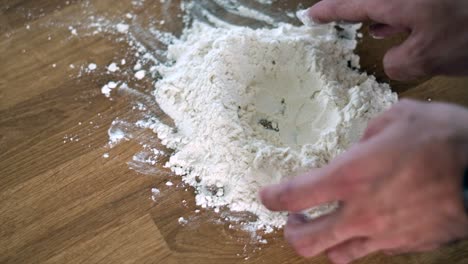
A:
[255,107]
[155,192]
[115,135]
[122,28]
[73,31]
[92,66]
[169,183]
[140,74]
[182,221]
[113,67]
[107,88]
[137,66]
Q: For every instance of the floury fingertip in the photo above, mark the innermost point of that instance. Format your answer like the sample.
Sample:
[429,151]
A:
[304,16]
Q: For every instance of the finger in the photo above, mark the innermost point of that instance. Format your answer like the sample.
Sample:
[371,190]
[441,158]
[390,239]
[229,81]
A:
[399,242]
[401,251]
[335,182]
[426,248]
[314,237]
[402,62]
[390,252]
[315,188]
[297,219]
[346,176]
[382,31]
[327,11]
[297,224]
[312,189]
[377,125]
[351,250]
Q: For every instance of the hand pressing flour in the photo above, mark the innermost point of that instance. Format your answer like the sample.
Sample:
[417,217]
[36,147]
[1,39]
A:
[437,43]
[400,188]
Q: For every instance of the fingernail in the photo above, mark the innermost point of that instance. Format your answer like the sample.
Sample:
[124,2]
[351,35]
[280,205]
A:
[374,28]
[376,36]
[305,17]
[297,219]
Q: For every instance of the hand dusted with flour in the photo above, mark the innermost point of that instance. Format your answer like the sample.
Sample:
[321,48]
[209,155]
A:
[252,107]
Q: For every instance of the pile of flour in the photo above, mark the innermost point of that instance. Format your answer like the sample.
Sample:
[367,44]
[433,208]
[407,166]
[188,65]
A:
[255,107]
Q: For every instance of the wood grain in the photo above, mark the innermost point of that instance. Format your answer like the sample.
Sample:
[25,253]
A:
[61,202]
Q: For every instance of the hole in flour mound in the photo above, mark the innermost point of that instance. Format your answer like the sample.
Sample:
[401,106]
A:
[289,108]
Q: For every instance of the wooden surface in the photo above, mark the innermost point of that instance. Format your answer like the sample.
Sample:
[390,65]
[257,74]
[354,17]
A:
[62,202]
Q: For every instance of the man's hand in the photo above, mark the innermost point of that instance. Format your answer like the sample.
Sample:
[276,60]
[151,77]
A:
[401,188]
[438,41]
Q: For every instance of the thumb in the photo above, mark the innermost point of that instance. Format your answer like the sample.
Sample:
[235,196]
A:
[406,61]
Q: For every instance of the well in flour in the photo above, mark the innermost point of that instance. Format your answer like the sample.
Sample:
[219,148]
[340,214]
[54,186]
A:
[253,107]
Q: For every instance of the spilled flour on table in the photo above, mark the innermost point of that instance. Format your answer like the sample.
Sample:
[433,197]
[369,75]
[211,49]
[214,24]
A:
[255,107]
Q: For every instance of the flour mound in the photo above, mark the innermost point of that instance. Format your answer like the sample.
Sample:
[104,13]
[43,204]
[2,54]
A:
[254,107]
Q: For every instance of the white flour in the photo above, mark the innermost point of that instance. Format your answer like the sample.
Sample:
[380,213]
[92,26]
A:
[250,108]
[254,107]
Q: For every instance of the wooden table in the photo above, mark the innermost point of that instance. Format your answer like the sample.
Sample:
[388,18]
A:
[62,202]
